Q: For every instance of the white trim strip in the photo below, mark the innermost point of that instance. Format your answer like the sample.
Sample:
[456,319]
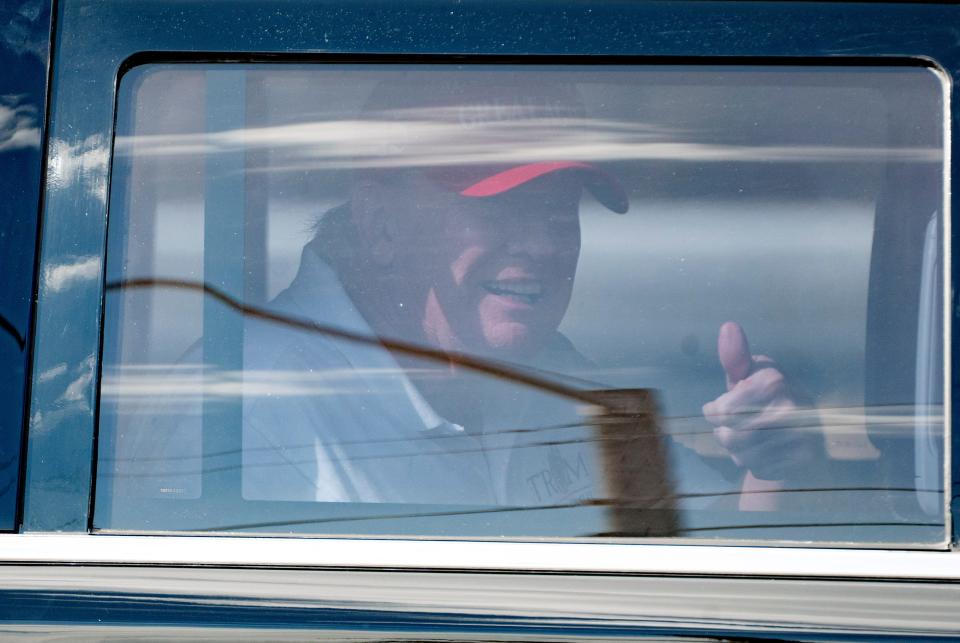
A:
[946,83]
[478,556]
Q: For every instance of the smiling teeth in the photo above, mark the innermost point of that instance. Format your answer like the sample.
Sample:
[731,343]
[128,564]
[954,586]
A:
[523,289]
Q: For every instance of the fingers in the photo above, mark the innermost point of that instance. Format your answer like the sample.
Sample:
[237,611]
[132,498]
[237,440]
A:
[776,423]
[785,454]
[746,398]
[764,435]
[760,426]
[734,352]
[769,457]
[776,442]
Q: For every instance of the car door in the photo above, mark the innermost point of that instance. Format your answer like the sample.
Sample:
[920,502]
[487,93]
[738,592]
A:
[233,427]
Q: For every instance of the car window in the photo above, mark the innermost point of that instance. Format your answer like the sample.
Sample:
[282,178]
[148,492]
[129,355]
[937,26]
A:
[526,301]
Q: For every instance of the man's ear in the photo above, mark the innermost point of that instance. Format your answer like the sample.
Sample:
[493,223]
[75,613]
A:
[373,219]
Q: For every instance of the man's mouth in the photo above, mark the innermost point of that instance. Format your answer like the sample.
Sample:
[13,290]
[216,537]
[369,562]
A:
[528,291]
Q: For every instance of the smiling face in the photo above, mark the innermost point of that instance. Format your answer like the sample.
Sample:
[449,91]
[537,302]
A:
[491,275]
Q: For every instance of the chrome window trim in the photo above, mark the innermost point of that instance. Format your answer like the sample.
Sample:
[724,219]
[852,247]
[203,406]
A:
[655,559]
[946,83]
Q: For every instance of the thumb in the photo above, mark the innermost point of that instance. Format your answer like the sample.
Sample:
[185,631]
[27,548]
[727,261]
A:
[734,353]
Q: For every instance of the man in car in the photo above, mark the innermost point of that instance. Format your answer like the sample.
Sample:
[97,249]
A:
[461,236]
[474,256]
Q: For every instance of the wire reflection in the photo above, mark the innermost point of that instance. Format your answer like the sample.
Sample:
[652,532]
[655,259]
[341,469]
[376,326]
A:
[812,425]
[503,371]
[339,459]
[554,507]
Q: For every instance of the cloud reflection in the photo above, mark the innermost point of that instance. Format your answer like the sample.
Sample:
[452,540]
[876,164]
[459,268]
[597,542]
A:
[432,139]
[60,276]
[184,383]
[84,163]
[24,27]
[194,382]
[19,124]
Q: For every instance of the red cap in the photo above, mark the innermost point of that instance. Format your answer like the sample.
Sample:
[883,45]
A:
[485,181]
[470,106]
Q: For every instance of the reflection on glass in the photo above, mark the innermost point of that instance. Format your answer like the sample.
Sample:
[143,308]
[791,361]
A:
[526,302]
[24,45]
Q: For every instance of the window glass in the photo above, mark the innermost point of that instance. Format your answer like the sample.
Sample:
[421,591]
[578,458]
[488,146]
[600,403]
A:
[551,301]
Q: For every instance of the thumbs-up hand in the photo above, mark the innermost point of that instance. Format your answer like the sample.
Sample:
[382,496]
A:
[757,419]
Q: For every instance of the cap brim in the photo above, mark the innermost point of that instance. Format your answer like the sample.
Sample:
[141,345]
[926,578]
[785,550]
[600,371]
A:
[603,186]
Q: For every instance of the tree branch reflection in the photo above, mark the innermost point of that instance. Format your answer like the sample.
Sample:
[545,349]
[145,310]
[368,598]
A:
[625,423]
[7,326]
[471,362]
